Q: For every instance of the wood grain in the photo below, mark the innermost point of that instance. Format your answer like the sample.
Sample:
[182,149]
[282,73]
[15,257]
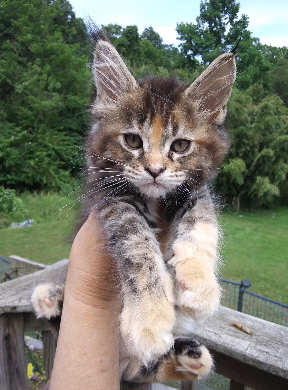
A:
[13,367]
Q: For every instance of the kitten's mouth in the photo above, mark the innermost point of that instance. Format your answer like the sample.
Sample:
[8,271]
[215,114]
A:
[153,189]
[155,184]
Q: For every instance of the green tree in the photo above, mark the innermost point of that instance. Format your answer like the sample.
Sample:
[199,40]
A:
[218,28]
[273,53]
[151,54]
[44,92]
[152,36]
[279,79]
[129,46]
[257,164]
[113,32]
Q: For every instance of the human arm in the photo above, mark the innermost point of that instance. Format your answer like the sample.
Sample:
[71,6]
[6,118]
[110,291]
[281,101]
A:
[87,354]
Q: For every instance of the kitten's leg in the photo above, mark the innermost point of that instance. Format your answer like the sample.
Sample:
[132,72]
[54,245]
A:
[148,314]
[186,360]
[47,300]
[195,260]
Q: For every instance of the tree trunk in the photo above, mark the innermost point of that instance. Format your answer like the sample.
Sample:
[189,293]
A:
[237,204]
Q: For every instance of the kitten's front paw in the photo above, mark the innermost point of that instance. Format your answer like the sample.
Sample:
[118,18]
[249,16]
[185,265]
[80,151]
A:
[199,300]
[146,327]
[193,357]
[47,300]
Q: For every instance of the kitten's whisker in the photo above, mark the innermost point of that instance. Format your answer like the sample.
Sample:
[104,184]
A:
[83,184]
[125,183]
[91,192]
[83,196]
[102,170]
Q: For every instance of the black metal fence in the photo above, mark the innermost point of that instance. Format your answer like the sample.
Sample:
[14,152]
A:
[237,296]
[5,269]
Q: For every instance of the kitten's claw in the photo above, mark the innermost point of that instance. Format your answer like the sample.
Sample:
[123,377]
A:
[193,357]
[47,300]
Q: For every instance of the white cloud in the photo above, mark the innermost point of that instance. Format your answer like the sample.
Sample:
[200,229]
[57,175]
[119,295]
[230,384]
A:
[276,41]
[264,13]
[168,34]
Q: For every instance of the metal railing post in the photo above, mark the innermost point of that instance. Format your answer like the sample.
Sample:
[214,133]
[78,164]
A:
[243,285]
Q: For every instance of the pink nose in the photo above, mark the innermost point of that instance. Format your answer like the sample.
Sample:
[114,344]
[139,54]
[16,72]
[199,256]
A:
[154,170]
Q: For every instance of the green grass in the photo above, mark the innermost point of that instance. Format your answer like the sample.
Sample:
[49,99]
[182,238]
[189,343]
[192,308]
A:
[255,244]
[255,248]
[46,241]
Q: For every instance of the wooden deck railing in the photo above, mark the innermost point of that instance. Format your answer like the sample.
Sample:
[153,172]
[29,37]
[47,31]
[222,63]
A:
[259,362]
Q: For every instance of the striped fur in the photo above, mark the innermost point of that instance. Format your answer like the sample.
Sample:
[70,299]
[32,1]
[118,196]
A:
[154,204]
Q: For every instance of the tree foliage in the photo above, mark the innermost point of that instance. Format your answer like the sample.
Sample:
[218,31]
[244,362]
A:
[257,163]
[279,78]
[218,28]
[45,90]
[44,85]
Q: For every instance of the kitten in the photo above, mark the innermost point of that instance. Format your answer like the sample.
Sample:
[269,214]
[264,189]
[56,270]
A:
[153,147]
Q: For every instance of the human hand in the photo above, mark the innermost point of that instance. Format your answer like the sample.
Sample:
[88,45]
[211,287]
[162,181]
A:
[87,354]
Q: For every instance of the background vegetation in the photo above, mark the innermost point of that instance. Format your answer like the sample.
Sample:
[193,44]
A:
[254,245]
[46,89]
[45,93]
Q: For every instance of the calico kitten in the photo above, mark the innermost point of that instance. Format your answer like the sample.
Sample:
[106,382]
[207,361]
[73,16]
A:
[153,147]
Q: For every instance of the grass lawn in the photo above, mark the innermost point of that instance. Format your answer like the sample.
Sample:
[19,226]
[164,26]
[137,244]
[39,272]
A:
[255,244]
[256,248]
[46,241]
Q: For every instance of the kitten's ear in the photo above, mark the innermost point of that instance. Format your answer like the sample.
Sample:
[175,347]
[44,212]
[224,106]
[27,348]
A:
[112,78]
[211,90]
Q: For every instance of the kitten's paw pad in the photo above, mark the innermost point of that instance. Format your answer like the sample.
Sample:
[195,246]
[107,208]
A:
[147,328]
[193,357]
[200,301]
[47,300]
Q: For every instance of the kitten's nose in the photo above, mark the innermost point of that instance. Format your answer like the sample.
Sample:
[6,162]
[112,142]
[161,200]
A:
[154,170]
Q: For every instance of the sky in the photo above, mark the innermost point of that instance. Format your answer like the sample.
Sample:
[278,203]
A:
[268,20]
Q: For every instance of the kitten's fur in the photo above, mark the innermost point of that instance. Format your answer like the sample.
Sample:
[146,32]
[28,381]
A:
[155,208]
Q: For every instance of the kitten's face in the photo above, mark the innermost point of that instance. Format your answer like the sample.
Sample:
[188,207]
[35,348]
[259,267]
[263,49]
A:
[158,154]
[161,142]
[160,133]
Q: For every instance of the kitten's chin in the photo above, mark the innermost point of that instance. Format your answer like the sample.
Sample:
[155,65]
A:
[153,190]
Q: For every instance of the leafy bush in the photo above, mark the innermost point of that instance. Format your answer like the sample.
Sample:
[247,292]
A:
[10,202]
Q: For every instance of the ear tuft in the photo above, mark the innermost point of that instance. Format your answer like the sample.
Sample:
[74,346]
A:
[112,78]
[211,90]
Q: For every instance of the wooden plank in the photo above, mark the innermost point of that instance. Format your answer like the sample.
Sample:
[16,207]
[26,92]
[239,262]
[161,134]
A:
[15,295]
[190,385]
[25,266]
[13,367]
[4,371]
[267,350]
[236,386]
[247,375]
[31,323]
[186,385]
[195,385]
[49,349]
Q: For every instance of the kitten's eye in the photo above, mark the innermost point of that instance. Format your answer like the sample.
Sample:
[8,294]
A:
[180,145]
[134,141]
